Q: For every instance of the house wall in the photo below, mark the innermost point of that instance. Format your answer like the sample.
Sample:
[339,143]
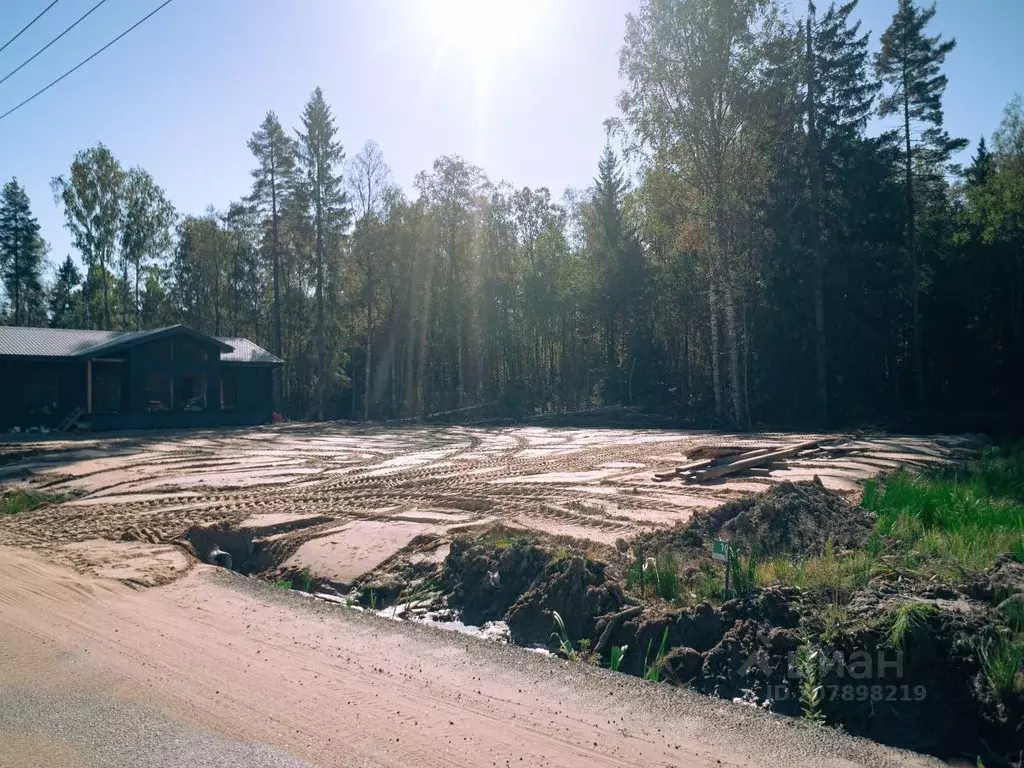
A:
[169,357]
[18,376]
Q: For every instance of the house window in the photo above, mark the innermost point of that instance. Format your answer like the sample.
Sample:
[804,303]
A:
[193,392]
[106,393]
[228,392]
[159,392]
[42,392]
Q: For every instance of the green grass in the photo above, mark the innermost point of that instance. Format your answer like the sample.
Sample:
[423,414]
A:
[564,643]
[652,671]
[14,502]
[615,661]
[655,576]
[958,521]
[905,619]
[281,583]
[1003,664]
[830,579]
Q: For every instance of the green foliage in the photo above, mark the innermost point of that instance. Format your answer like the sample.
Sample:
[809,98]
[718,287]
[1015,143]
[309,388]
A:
[830,579]
[742,574]
[904,619]
[962,521]
[617,654]
[655,576]
[652,669]
[565,646]
[21,257]
[14,502]
[281,583]
[1003,665]
[811,692]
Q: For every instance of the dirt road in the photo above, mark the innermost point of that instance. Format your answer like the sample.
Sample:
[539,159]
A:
[244,674]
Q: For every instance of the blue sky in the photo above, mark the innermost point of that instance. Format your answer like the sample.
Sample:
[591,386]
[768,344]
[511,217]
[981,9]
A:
[522,91]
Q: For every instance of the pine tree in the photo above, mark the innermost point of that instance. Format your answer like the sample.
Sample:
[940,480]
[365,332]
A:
[275,154]
[320,157]
[65,298]
[21,255]
[910,63]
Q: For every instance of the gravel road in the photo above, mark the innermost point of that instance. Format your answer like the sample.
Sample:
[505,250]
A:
[216,669]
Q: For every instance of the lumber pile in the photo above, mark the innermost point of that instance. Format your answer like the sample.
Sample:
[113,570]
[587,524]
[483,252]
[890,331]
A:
[719,461]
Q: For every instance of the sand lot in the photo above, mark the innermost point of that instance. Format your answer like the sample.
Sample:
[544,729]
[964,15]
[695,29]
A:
[341,500]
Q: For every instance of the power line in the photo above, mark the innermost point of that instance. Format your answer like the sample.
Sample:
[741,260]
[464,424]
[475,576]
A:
[82,63]
[31,58]
[37,18]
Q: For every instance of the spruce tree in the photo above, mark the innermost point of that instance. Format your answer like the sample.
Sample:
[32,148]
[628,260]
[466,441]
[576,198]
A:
[21,255]
[65,298]
[910,63]
[839,99]
[320,158]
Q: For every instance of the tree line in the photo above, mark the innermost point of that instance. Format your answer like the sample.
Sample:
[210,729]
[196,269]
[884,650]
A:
[765,259]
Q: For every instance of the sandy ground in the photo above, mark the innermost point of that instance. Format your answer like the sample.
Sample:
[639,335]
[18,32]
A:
[215,669]
[355,495]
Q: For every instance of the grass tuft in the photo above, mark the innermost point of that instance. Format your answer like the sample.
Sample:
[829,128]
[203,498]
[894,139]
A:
[906,617]
[1003,664]
[618,652]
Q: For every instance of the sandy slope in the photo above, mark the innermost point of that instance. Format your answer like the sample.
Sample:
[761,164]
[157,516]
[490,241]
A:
[220,657]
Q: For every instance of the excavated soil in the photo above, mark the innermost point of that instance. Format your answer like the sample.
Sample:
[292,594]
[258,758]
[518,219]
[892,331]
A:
[342,500]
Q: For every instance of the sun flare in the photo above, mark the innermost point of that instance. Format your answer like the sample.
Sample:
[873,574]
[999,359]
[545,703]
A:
[484,29]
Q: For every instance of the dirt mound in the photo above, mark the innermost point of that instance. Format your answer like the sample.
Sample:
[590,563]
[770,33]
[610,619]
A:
[484,578]
[578,589]
[796,518]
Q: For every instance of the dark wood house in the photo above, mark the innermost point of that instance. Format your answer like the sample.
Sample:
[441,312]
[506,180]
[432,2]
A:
[168,377]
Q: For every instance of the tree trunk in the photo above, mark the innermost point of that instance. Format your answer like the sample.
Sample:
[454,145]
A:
[369,334]
[106,295]
[716,369]
[275,247]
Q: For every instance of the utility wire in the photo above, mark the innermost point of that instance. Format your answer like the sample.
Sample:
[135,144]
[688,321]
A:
[82,63]
[31,58]
[37,18]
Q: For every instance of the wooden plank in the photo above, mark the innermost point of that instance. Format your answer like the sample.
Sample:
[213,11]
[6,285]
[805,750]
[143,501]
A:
[691,465]
[766,458]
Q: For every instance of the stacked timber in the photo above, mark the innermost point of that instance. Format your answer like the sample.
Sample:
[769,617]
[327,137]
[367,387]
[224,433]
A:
[707,463]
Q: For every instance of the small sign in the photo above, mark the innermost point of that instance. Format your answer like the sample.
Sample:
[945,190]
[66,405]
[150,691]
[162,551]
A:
[720,550]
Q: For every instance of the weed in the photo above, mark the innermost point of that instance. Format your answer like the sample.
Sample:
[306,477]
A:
[13,502]
[564,643]
[652,672]
[1003,664]
[806,663]
[281,583]
[303,580]
[656,576]
[832,620]
[1012,610]
[743,572]
[906,617]
[371,598]
[616,658]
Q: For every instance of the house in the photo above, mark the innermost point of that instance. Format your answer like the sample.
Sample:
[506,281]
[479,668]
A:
[168,377]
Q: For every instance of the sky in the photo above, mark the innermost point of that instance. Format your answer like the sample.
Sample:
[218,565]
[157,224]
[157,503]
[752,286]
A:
[519,87]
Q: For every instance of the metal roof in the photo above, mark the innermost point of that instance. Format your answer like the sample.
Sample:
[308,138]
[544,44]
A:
[60,342]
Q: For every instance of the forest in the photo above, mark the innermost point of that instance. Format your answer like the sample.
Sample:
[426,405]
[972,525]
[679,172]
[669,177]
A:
[754,249]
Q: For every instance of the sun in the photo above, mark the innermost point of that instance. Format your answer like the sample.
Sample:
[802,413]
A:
[486,30]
